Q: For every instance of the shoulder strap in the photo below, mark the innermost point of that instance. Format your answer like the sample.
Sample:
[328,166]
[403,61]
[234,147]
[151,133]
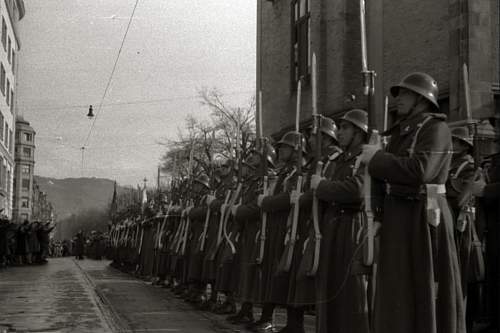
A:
[461,168]
[357,163]
[419,127]
[331,158]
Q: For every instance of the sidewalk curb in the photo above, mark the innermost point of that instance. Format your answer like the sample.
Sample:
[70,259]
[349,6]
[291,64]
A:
[115,322]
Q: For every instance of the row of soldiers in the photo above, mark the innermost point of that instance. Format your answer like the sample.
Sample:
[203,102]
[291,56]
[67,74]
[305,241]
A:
[291,230]
[24,244]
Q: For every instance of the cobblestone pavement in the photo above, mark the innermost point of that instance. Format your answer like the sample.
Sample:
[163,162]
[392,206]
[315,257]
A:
[90,296]
[49,298]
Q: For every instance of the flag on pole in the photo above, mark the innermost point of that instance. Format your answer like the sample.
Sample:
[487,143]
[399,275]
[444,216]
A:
[113,208]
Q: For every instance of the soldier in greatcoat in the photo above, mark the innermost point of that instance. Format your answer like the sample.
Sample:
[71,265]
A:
[247,215]
[487,190]
[197,215]
[341,299]
[302,287]
[216,271]
[462,206]
[418,287]
[271,285]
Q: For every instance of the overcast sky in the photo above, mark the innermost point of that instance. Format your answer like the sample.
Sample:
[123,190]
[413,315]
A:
[173,48]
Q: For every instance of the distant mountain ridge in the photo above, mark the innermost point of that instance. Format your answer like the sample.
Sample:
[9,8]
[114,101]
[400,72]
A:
[72,195]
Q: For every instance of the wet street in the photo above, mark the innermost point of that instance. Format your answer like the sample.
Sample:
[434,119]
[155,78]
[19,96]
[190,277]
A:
[90,296]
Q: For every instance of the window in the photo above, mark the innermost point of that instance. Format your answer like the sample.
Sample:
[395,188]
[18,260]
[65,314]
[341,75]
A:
[300,40]
[6,132]
[13,61]
[4,175]
[27,152]
[24,217]
[2,79]
[25,169]
[25,202]
[4,34]
[28,137]
[1,126]
[11,142]
[11,100]
[8,92]
[8,181]
[26,184]
[9,49]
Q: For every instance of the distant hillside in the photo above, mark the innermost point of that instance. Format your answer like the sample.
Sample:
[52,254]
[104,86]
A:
[71,195]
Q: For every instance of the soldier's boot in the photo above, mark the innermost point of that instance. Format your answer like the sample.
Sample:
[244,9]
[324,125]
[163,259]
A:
[227,308]
[294,321]
[244,316]
[265,323]
[220,299]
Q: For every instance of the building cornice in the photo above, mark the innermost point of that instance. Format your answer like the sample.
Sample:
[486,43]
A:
[14,30]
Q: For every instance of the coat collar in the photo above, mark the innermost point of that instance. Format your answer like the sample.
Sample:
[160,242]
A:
[409,125]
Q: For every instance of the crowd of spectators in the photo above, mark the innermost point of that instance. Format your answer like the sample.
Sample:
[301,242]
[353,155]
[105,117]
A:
[24,243]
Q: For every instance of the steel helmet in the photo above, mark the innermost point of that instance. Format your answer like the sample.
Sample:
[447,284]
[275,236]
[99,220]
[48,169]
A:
[328,127]
[203,180]
[271,154]
[358,118]
[462,134]
[291,139]
[420,83]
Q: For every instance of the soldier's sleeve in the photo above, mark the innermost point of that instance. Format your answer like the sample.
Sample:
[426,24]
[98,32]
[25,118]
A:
[216,204]
[198,213]
[306,199]
[346,191]
[492,191]
[276,202]
[247,212]
[431,155]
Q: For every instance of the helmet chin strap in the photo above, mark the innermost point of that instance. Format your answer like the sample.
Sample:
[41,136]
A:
[413,108]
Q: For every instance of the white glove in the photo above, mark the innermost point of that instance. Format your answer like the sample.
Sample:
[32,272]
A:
[210,199]
[368,152]
[234,209]
[315,180]
[294,197]
[478,185]
[260,198]
[223,208]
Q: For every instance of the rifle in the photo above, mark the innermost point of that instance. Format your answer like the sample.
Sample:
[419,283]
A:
[466,194]
[293,217]
[385,140]
[265,183]
[374,138]
[207,217]
[160,244]
[213,251]
[236,194]
[190,203]
[477,259]
[319,167]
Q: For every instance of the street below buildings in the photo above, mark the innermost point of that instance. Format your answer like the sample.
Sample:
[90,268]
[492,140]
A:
[90,296]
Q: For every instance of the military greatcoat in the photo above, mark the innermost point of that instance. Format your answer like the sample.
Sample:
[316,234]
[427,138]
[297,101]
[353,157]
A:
[342,296]
[418,280]
[248,216]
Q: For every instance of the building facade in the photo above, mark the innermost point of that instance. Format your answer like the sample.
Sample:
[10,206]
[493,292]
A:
[41,209]
[433,36]
[24,171]
[11,11]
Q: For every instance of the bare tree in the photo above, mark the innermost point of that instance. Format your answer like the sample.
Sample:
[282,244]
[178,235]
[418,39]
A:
[229,126]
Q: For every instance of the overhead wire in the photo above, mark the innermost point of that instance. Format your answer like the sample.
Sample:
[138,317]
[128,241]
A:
[111,75]
[146,101]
